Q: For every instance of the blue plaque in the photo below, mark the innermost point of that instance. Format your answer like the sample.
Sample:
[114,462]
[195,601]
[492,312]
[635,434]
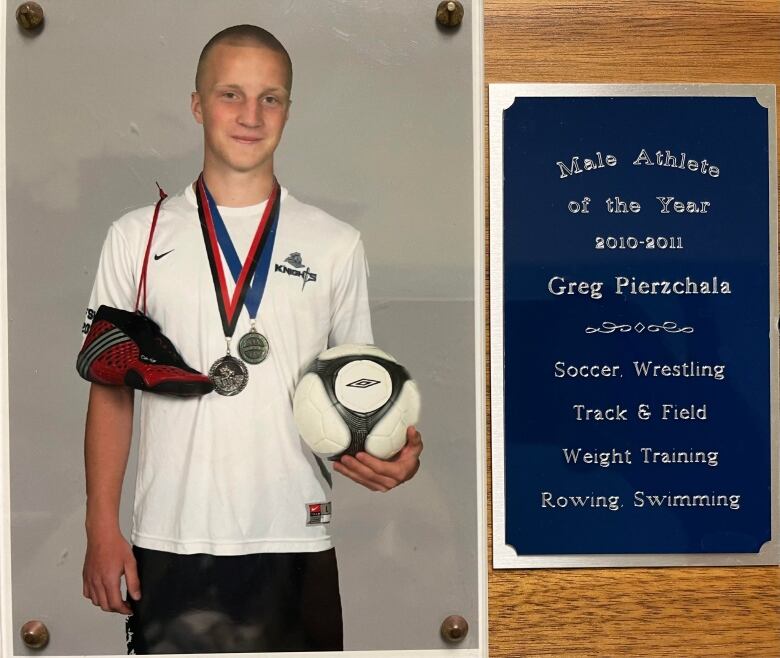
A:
[634,325]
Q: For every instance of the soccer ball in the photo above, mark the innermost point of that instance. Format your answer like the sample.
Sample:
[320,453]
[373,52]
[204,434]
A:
[353,398]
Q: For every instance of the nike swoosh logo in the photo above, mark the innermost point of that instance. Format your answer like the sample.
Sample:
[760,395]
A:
[159,256]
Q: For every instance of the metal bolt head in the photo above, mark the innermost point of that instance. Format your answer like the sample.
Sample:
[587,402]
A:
[29,15]
[449,13]
[454,628]
[35,635]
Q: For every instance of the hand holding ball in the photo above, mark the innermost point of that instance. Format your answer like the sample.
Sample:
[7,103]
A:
[354,398]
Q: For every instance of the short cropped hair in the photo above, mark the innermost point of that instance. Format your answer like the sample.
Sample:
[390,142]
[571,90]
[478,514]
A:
[240,35]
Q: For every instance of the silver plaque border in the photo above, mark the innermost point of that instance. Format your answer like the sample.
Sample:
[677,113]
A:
[501,97]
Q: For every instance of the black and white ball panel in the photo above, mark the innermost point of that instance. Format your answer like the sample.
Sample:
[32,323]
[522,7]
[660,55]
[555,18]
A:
[363,399]
[388,436]
[353,351]
[319,422]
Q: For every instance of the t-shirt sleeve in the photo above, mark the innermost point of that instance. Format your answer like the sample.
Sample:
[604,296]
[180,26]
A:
[351,317]
[114,280]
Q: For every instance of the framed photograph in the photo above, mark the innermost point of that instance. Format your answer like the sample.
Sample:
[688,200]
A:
[379,130]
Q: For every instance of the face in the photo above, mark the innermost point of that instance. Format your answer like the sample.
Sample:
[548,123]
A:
[243,106]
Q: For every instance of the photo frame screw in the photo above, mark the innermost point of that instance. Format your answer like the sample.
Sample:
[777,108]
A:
[454,628]
[34,634]
[29,15]
[449,13]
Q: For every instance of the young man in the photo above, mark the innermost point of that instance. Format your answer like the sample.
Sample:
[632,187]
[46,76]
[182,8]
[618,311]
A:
[228,554]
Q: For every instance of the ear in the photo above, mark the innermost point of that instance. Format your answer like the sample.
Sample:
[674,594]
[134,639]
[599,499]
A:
[195,107]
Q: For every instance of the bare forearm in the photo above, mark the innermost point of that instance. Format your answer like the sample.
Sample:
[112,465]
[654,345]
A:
[107,437]
[106,446]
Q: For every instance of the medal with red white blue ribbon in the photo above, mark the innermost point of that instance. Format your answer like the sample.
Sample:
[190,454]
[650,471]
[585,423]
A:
[228,373]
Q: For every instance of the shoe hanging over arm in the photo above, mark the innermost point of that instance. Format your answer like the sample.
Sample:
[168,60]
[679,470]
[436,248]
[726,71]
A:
[125,348]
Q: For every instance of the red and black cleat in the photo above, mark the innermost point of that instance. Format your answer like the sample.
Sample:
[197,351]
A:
[128,349]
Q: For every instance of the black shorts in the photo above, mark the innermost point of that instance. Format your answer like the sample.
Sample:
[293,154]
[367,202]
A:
[221,604]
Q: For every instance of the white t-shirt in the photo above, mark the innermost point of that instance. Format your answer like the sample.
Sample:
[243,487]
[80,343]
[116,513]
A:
[230,475]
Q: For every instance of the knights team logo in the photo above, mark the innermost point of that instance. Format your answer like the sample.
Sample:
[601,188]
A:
[296,262]
[294,259]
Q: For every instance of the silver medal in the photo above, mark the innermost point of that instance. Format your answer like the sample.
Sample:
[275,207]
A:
[229,375]
[253,347]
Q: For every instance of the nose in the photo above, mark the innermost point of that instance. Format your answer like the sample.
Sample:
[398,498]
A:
[251,115]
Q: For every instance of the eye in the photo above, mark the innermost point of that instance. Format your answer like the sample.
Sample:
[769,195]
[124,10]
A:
[229,95]
[271,101]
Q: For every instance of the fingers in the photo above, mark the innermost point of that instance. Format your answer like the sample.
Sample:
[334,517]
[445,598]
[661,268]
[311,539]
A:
[102,579]
[413,447]
[380,474]
[394,470]
[403,465]
[354,470]
[414,439]
[115,602]
[131,578]
[106,596]
[97,594]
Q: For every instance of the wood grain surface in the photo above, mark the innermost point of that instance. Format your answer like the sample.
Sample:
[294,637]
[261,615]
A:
[714,612]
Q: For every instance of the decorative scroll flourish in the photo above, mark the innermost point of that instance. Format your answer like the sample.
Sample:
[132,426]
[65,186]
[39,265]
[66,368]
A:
[608,327]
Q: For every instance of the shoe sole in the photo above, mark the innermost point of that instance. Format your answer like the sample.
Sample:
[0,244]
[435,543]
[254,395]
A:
[180,388]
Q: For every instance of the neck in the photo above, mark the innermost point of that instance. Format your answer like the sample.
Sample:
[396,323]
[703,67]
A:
[238,189]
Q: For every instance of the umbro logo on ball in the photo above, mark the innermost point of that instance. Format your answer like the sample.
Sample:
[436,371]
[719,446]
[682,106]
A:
[364,383]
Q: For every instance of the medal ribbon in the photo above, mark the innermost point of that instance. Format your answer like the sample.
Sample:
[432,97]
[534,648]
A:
[255,293]
[230,306]
[142,281]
